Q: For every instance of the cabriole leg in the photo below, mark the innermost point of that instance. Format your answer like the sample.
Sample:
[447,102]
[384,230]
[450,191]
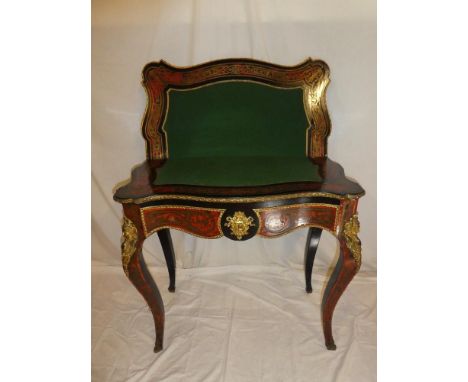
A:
[312,242]
[346,267]
[168,249]
[135,268]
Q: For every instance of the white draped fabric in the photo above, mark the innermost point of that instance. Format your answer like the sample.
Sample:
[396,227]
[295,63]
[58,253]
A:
[240,312]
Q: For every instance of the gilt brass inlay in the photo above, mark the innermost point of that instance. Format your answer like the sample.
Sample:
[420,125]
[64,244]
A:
[351,229]
[239,224]
[172,226]
[129,240]
[245,199]
[159,78]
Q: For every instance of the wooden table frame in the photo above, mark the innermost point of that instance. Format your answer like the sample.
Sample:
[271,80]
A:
[239,213]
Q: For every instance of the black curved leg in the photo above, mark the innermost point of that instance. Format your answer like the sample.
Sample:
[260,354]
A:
[168,249]
[313,239]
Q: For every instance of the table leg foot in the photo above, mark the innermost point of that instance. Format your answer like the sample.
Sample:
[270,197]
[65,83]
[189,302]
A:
[158,346]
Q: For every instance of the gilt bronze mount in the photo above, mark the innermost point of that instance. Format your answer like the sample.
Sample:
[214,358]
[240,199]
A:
[239,224]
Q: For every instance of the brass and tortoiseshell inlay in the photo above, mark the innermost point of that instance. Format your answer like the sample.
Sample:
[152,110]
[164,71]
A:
[312,76]
[203,222]
[209,173]
[278,221]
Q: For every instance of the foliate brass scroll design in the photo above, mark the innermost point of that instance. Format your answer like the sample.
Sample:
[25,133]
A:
[129,240]
[158,78]
[350,231]
[317,115]
[239,224]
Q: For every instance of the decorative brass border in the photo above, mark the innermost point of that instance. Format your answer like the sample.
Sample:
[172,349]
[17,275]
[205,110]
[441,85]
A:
[311,75]
[246,199]
[350,231]
[147,234]
[129,240]
[315,106]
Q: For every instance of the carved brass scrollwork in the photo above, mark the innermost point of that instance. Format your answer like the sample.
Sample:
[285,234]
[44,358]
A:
[350,231]
[239,224]
[129,240]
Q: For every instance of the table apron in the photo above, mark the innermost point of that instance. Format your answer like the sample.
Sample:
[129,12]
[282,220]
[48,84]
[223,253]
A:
[274,221]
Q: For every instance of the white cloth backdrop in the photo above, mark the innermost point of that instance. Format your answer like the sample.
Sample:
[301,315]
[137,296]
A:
[128,34]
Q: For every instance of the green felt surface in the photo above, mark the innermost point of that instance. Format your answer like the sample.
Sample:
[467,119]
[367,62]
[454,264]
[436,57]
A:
[236,133]
[237,171]
[236,119]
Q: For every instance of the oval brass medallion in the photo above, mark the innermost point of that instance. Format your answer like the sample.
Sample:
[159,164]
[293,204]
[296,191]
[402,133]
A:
[239,225]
